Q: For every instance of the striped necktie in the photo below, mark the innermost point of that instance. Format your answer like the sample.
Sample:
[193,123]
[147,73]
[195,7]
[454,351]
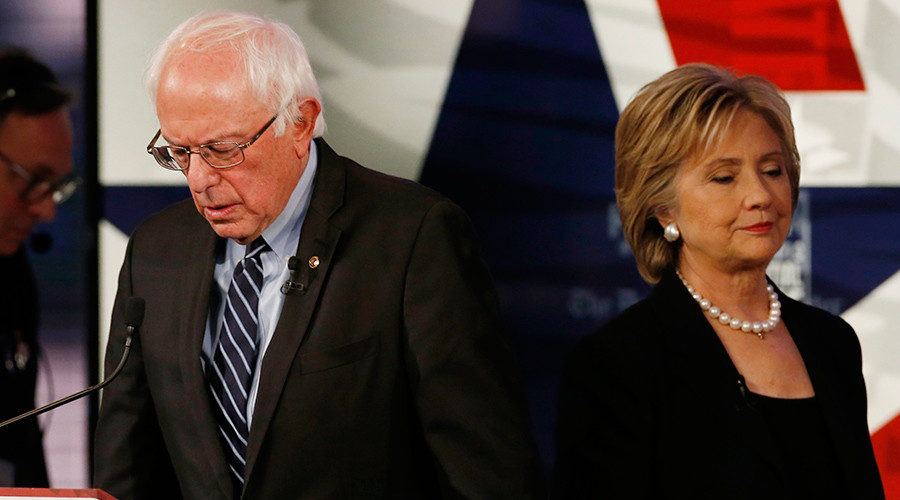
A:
[235,357]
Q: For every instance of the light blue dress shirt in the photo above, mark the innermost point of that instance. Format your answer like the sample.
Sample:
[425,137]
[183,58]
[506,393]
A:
[282,235]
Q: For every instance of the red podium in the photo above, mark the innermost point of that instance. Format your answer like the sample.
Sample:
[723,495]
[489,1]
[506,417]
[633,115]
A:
[52,494]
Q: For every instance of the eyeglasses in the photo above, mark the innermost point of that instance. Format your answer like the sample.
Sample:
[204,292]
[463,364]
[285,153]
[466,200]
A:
[37,188]
[216,154]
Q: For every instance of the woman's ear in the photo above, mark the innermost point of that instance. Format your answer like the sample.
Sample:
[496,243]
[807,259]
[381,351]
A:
[664,217]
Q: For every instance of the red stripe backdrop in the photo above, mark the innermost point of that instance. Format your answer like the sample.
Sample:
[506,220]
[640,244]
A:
[798,44]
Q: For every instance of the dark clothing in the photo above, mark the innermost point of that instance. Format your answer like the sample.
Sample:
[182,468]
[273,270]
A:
[388,376]
[651,407]
[20,443]
[797,427]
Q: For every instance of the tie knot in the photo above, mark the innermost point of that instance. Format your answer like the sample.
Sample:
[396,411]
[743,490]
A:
[257,247]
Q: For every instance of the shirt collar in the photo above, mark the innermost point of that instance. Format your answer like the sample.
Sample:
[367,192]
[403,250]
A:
[283,234]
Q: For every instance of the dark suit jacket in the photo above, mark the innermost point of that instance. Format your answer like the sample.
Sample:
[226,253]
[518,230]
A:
[20,443]
[650,407]
[389,377]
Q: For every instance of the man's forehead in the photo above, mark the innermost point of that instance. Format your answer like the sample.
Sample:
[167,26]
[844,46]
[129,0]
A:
[218,63]
[42,144]
[191,84]
[56,122]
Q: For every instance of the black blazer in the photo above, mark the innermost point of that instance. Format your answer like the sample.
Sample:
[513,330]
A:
[389,377]
[650,407]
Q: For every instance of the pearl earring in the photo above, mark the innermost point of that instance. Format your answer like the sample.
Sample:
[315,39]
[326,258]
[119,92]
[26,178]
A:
[671,233]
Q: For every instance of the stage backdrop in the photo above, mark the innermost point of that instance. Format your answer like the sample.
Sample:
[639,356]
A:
[509,107]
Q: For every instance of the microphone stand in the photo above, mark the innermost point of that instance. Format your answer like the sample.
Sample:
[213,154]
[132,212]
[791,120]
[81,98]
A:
[134,313]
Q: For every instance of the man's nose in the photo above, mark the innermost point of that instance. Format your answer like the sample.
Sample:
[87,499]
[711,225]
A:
[43,210]
[199,174]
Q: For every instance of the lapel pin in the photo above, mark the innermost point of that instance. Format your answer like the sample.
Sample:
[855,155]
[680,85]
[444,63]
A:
[313,262]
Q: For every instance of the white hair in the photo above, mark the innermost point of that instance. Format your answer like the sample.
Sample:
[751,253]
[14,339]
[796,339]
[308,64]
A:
[275,60]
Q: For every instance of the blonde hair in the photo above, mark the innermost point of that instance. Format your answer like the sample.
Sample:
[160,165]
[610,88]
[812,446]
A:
[684,113]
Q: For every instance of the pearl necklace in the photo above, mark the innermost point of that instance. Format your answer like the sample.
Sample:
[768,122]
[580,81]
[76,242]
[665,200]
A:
[757,327]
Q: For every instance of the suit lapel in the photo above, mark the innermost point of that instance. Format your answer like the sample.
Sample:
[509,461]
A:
[195,289]
[705,369]
[318,240]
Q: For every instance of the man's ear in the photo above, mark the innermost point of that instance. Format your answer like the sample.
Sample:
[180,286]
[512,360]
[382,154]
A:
[308,110]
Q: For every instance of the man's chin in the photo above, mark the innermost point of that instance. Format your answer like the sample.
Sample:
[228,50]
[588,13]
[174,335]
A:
[231,231]
[9,246]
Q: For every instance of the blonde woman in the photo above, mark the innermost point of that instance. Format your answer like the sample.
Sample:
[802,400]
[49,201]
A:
[717,385]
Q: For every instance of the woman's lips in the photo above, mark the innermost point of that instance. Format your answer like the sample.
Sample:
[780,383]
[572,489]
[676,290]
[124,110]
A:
[761,227]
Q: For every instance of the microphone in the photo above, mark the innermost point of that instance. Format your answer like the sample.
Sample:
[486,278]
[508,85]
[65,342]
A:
[41,242]
[292,283]
[134,316]
[746,402]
